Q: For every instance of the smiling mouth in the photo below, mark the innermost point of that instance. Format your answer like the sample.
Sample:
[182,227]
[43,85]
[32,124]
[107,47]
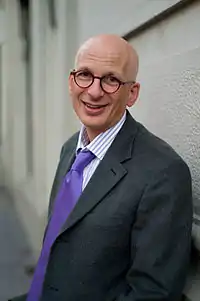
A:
[94,106]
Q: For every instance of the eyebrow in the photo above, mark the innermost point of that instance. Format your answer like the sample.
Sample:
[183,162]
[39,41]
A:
[111,73]
[114,74]
[83,69]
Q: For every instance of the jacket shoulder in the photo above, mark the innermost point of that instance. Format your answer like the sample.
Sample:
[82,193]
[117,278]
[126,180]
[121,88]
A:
[155,153]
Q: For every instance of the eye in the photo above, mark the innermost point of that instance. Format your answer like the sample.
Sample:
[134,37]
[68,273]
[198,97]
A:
[84,75]
[111,80]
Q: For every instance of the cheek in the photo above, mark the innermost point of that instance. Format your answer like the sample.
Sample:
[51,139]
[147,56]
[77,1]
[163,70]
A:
[120,101]
[75,93]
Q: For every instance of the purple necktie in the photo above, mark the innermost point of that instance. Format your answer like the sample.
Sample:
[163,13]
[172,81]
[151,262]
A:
[65,201]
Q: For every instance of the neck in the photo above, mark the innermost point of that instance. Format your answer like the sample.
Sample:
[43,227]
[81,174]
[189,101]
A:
[92,134]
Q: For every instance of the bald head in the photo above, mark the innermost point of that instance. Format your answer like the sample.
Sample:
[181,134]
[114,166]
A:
[114,46]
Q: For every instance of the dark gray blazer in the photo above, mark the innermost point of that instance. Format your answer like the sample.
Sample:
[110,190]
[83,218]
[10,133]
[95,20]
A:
[129,236]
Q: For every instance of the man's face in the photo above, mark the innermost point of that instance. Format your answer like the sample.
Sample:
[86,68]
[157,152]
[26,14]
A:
[97,109]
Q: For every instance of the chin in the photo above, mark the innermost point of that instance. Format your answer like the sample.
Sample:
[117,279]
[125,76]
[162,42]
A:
[95,128]
[90,121]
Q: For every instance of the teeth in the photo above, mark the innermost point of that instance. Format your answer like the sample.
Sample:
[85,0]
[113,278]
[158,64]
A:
[93,107]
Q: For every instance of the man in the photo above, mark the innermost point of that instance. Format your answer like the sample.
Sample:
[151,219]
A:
[127,234]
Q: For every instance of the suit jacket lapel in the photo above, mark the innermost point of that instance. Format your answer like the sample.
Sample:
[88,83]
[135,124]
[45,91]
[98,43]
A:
[107,175]
[95,191]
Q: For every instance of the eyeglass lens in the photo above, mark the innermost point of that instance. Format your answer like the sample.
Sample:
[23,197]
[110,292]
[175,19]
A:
[108,83]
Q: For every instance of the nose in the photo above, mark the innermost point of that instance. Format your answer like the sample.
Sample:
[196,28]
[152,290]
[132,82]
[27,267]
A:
[95,89]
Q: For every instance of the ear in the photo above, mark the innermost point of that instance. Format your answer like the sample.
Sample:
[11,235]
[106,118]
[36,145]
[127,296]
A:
[133,94]
[70,83]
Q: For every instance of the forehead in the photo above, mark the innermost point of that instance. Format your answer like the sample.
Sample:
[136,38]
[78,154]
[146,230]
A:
[102,60]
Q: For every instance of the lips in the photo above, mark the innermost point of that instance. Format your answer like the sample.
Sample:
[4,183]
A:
[92,106]
[94,109]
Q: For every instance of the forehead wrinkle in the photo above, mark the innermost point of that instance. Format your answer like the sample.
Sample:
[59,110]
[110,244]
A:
[112,57]
[97,46]
[111,63]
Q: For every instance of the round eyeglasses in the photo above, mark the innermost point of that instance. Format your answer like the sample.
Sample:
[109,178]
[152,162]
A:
[108,83]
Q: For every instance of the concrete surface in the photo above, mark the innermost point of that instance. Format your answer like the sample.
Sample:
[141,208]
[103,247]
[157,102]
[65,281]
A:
[14,251]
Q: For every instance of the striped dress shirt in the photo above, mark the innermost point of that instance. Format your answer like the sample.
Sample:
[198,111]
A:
[98,147]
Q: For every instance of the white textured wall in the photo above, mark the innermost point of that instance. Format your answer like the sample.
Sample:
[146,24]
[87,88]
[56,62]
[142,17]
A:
[116,16]
[51,59]
[170,85]
[2,37]
[13,150]
[2,25]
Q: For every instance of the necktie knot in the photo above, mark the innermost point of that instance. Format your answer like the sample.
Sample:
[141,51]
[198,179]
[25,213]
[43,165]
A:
[82,160]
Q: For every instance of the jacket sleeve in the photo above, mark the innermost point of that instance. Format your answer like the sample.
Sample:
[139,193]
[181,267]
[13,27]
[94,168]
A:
[161,238]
